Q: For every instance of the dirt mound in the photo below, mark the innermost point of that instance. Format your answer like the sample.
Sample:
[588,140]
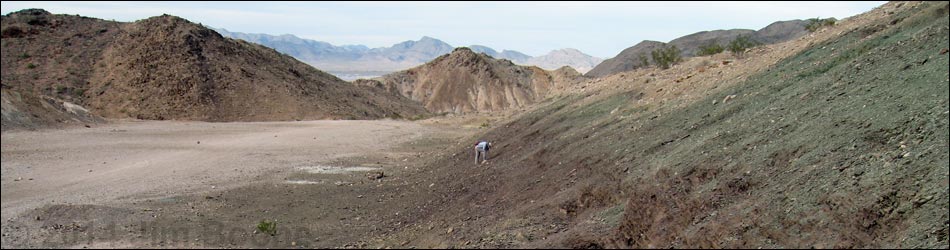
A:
[838,140]
[465,81]
[169,68]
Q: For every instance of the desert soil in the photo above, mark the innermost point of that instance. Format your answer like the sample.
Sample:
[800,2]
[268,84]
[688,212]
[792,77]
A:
[118,184]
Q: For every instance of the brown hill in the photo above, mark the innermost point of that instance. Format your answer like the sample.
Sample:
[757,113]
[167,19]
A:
[169,68]
[465,81]
[689,44]
[629,58]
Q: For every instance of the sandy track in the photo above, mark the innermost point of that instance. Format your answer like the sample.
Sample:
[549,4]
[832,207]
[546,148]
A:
[124,160]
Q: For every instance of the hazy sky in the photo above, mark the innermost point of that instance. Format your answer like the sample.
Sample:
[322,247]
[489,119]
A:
[600,29]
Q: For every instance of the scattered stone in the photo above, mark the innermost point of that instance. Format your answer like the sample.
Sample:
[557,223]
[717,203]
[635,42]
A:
[18,179]
[944,51]
[375,175]
[451,229]
[520,236]
[920,201]
[90,170]
[729,97]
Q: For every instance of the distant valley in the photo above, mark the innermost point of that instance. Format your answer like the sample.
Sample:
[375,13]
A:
[351,62]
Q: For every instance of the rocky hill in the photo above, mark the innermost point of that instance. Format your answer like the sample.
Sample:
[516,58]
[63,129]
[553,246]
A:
[167,68]
[629,58]
[689,44]
[834,140]
[465,81]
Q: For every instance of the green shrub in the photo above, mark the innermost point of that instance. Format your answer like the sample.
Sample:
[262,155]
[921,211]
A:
[739,45]
[30,66]
[268,227]
[710,48]
[644,61]
[666,56]
[816,23]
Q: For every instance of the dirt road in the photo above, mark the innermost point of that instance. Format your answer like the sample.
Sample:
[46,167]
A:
[126,160]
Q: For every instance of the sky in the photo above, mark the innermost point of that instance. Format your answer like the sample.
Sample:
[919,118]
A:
[600,29]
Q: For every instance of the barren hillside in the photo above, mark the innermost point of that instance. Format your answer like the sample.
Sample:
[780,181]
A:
[834,140]
[168,68]
[465,81]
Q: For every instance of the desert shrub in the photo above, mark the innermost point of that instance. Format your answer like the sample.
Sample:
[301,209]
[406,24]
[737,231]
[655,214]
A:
[268,227]
[739,45]
[30,66]
[644,61]
[710,48]
[816,23]
[666,56]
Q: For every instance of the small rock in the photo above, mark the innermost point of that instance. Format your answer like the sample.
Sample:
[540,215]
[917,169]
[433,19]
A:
[18,179]
[90,170]
[375,175]
[944,51]
[199,142]
[451,229]
[520,236]
[359,196]
[727,98]
[293,243]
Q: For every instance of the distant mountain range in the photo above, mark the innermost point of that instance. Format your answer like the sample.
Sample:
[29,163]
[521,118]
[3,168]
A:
[354,61]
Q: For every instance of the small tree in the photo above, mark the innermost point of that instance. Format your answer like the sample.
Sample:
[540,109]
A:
[816,23]
[739,45]
[710,48]
[644,61]
[666,56]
